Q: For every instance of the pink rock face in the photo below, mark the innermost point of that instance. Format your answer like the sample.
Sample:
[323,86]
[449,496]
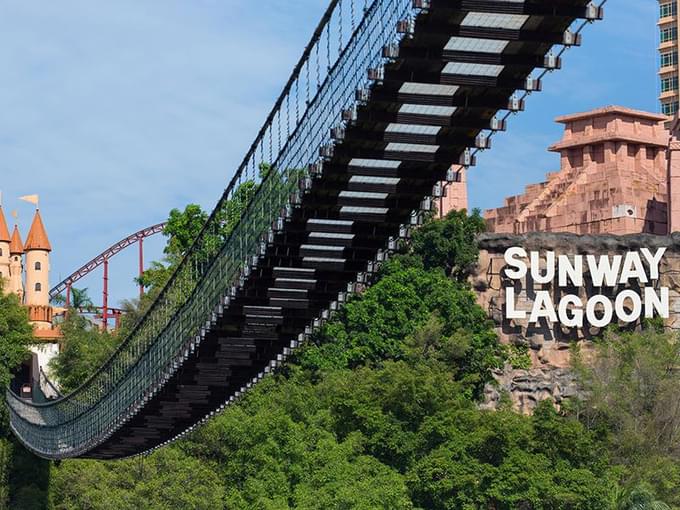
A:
[613,179]
[455,194]
[674,178]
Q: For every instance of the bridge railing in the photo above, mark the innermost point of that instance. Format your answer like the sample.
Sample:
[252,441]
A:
[324,83]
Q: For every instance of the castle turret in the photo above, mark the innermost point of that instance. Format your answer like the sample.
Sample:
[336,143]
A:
[16,267]
[38,250]
[4,252]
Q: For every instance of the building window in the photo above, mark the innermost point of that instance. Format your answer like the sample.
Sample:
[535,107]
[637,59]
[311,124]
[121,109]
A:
[575,158]
[38,266]
[597,153]
[38,287]
[669,83]
[669,108]
[669,58]
[668,10]
[0,252]
[669,34]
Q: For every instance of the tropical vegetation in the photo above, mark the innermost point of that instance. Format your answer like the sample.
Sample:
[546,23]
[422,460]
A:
[380,411]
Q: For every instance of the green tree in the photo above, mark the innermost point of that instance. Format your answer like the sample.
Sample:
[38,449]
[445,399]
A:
[80,299]
[639,498]
[505,461]
[182,229]
[167,480]
[16,335]
[376,325]
[631,385]
[450,243]
[380,411]
[84,349]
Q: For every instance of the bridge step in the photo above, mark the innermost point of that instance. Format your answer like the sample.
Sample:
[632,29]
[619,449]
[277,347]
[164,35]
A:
[267,311]
[327,264]
[330,226]
[293,272]
[300,304]
[260,320]
[362,198]
[276,292]
[330,239]
[364,213]
[322,250]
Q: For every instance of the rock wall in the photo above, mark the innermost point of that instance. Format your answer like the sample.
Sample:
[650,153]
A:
[549,344]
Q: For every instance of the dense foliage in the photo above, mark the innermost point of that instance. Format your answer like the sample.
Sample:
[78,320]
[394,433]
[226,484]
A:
[380,412]
[375,327]
[84,349]
[16,335]
[633,403]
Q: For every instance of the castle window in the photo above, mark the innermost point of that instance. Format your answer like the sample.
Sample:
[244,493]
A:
[38,287]
[598,153]
[575,158]
[38,266]
[0,252]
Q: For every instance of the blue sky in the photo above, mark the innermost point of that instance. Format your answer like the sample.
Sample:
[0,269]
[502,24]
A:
[116,112]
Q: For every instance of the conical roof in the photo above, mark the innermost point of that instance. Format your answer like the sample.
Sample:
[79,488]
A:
[4,231]
[16,247]
[37,236]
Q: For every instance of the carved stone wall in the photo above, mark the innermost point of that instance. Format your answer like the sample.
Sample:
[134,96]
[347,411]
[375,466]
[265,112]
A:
[549,344]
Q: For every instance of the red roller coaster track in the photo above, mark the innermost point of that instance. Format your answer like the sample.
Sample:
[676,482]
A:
[103,260]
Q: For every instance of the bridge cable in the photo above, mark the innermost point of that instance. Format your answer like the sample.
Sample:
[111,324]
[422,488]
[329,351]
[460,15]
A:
[351,6]
[527,93]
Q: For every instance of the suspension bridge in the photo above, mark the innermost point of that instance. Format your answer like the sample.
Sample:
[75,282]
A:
[387,97]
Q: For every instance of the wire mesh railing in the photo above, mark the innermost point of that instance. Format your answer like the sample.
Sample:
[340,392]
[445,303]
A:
[347,42]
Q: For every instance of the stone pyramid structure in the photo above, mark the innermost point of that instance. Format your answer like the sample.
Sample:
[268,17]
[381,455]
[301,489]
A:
[613,179]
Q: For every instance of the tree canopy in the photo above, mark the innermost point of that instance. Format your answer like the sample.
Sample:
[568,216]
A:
[380,411]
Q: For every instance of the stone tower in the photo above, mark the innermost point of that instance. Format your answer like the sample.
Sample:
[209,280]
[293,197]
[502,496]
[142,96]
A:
[612,179]
[4,252]
[38,250]
[16,266]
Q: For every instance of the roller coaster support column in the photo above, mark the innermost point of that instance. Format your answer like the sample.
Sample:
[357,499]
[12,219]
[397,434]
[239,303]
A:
[141,267]
[105,305]
[68,295]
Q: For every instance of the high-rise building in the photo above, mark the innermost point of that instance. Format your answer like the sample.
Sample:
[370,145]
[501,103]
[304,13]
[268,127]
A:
[668,56]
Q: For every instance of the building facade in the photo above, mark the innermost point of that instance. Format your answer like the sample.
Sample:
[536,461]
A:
[613,179]
[668,56]
[25,271]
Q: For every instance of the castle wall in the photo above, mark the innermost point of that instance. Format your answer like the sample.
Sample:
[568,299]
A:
[37,278]
[612,179]
[4,265]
